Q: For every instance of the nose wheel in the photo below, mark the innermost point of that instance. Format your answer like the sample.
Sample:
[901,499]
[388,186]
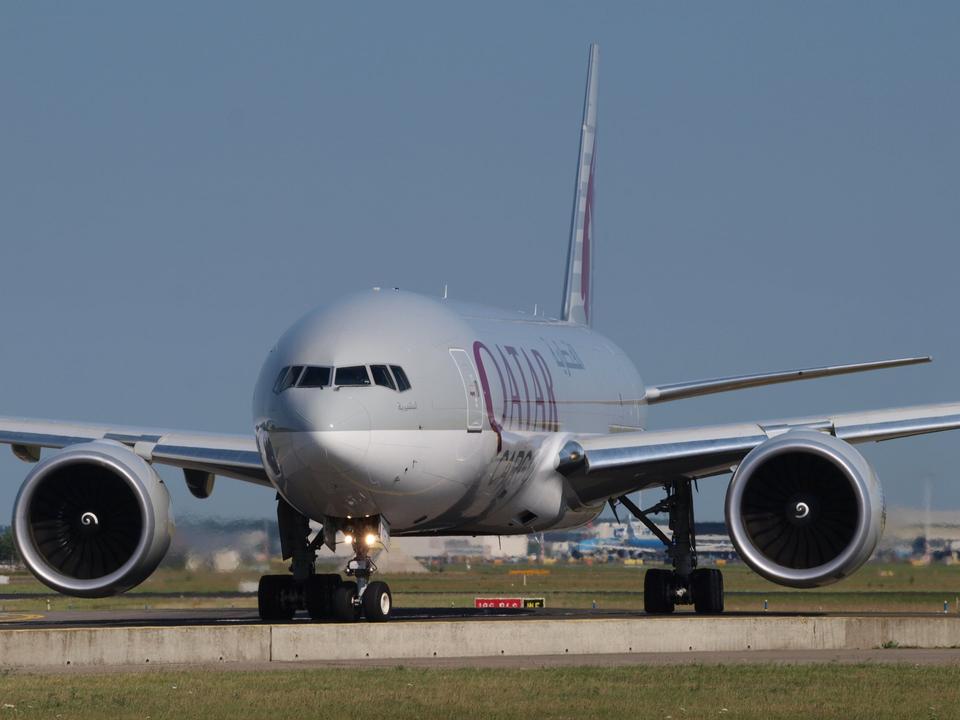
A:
[374,604]
[377,602]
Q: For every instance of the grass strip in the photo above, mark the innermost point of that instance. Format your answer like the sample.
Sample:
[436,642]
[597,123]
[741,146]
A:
[729,691]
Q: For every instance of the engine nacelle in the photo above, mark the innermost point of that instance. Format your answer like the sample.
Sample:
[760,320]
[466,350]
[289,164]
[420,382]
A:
[93,520]
[805,509]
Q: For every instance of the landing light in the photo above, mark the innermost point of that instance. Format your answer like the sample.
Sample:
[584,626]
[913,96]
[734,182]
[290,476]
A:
[371,539]
[348,539]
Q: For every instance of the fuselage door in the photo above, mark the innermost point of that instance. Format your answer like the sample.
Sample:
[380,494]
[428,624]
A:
[471,386]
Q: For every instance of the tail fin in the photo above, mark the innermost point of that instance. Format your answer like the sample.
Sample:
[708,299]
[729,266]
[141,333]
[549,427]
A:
[578,287]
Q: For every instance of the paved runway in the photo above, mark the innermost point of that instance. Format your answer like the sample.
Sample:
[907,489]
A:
[247,616]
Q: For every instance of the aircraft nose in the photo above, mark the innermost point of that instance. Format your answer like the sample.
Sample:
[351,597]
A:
[318,433]
[314,410]
[337,423]
[329,409]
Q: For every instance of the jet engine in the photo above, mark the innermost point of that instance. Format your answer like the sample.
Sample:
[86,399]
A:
[93,520]
[805,509]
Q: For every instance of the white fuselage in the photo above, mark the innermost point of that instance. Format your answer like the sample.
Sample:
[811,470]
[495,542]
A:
[471,447]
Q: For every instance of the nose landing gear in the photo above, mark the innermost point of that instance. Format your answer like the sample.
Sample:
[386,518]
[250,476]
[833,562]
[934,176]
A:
[324,596]
[373,599]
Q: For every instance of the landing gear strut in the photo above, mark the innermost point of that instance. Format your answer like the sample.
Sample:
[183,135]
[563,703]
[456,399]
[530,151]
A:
[686,584]
[323,596]
[372,598]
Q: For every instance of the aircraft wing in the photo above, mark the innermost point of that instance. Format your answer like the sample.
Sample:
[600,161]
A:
[605,466]
[234,456]
[696,388]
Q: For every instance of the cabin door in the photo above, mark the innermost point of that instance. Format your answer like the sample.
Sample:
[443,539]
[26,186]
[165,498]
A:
[471,386]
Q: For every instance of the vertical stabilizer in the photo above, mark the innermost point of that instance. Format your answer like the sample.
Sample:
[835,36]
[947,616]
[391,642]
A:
[578,286]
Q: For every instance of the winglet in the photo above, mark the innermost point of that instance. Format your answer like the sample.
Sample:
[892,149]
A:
[578,286]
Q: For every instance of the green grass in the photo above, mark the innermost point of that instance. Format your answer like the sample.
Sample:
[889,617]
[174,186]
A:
[691,691]
[874,588]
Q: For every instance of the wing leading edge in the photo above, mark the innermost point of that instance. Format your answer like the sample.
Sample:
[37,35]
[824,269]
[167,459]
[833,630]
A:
[679,391]
[234,456]
[605,466]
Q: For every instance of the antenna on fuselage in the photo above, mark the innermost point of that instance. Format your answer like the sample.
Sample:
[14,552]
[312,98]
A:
[444,291]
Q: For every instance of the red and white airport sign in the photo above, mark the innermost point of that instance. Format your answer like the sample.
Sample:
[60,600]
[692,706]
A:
[515,603]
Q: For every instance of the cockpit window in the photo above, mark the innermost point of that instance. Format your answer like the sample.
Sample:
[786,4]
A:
[381,376]
[279,381]
[353,375]
[402,382]
[289,378]
[315,377]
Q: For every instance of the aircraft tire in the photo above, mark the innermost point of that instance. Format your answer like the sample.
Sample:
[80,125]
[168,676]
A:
[273,598]
[658,596]
[377,602]
[319,590]
[344,608]
[706,586]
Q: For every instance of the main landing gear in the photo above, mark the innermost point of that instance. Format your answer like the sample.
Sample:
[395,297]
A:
[686,584]
[323,596]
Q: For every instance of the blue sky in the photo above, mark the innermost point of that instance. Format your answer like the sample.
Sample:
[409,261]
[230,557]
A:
[778,186]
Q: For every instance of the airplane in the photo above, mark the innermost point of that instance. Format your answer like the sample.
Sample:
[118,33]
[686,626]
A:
[625,542]
[391,413]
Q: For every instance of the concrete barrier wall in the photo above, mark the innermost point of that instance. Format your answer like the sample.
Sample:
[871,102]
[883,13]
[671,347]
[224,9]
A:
[584,637]
[134,646]
[300,642]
